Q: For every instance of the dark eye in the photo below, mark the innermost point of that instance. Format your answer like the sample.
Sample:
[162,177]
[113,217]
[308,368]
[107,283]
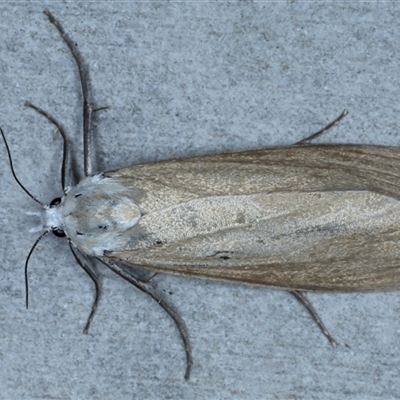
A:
[55,202]
[58,232]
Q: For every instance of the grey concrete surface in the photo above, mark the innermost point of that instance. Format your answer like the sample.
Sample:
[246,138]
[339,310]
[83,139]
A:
[181,79]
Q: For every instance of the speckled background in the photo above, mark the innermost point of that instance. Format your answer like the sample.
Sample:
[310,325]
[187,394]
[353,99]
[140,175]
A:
[184,79]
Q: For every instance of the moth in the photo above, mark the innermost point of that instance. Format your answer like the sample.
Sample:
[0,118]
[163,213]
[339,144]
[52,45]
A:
[301,218]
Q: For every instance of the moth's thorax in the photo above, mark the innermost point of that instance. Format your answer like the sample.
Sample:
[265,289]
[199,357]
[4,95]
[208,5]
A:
[51,218]
[96,213]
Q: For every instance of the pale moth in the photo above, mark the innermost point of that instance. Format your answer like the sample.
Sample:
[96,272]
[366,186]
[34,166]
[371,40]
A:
[301,218]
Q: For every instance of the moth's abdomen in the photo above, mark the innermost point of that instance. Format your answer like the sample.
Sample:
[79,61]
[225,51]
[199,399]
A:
[97,213]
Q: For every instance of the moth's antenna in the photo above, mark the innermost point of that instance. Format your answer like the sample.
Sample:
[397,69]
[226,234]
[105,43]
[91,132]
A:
[87,111]
[14,174]
[63,135]
[168,309]
[65,152]
[26,266]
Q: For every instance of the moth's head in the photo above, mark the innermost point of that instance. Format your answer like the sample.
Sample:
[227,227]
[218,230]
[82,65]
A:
[52,217]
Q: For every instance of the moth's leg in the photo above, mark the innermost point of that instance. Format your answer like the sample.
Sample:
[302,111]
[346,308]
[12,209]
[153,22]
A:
[100,109]
[142,275]
[87,110]
[168,309]
[63,135]
[95,280]
[308,139]
[302,299]
[147,280]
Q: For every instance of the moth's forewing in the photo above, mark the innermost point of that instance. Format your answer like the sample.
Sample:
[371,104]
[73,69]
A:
[310,218]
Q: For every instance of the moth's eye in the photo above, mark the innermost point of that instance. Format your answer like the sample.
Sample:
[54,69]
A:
[58,232]
[55,202]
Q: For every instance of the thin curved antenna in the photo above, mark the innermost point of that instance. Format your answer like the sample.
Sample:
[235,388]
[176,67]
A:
[26,266]
[168,309]
[95,280]
[87,111]
[14,174]
[63,135]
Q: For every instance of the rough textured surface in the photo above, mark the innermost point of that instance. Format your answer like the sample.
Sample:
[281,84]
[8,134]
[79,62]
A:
[188,79]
